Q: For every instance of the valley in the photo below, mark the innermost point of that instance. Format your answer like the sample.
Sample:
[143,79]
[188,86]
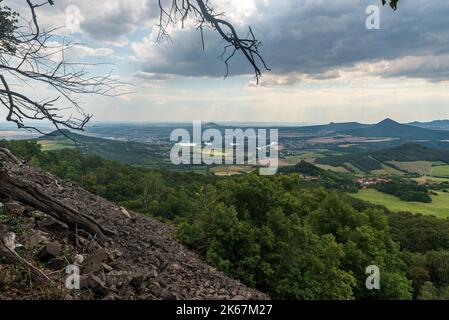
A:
[334,193]
[416,152]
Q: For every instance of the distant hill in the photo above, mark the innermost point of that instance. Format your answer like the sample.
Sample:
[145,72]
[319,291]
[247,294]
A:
[411,152]
[415,131]
[327,178]
[325,129]
[376,160]
[129,152]
[434,125]
[390,128]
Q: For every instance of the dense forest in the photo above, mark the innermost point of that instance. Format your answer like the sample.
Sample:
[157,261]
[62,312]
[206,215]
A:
[272,233]
[405,190]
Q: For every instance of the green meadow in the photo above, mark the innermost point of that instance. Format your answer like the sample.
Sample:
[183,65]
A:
[439,206]
[440,171]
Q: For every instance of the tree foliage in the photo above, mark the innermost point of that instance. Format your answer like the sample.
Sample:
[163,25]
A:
[8,27]
[405,190]
[269,232]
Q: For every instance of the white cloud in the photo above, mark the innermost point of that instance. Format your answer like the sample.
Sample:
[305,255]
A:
[80,50]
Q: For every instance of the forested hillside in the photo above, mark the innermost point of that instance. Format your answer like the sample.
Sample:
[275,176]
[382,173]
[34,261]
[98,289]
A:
[270,232]
[374,160]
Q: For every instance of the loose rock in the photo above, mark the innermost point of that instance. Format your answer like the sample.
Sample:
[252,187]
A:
[49,251]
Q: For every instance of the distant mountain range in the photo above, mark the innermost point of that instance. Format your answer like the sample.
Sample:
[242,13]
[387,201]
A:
[435,125]
[390,128]
[415,131]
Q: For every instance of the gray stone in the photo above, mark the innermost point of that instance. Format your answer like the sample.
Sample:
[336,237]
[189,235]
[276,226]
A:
[49,251]
[138,280]
[93,282]
[94,261]
[33,238]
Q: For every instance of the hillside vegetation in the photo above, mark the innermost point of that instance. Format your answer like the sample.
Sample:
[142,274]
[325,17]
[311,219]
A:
[375,160]
[270,232]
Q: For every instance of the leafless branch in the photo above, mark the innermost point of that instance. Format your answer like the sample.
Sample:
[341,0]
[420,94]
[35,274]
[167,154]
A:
[173,12]
[38,57]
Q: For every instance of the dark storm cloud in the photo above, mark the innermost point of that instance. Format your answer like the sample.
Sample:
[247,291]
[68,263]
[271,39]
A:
[314,37]
[111,25]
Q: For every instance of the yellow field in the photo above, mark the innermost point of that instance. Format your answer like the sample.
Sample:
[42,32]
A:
[225,171]
[51,145]
[428,179]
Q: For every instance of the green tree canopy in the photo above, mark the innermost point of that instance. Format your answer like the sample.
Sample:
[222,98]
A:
[8,26]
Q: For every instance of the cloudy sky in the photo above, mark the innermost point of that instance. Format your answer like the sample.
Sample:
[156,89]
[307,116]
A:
[326,65]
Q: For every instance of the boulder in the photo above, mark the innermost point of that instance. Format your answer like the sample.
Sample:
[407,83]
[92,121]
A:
[94,283]
[49,251]
[33,238]
[138,280]
[117,279]
[125,212]
[94,262]
[79,259]
[107,268]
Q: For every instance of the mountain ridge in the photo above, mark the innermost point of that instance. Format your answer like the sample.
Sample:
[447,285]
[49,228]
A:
[391,128]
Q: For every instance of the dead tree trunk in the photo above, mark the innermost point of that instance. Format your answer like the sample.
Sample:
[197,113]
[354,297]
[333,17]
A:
[30,196]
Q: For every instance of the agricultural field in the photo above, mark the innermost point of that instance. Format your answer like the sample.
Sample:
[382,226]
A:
[309,156]
[440,171]
[57,144]
[387,170]
[353,168]
[291,160]
[334,169]
[430,180]
[420,167]
[223,171]
[439,206]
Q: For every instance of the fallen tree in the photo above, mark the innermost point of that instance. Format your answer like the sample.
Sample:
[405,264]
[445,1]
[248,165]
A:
[28,194]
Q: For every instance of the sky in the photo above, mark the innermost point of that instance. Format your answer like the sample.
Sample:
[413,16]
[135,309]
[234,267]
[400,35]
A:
[326,66]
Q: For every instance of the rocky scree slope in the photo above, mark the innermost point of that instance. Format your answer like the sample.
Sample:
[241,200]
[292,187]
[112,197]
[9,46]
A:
[47,224]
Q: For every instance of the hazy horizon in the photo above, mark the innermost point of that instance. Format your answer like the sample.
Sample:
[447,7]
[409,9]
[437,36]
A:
[9,126]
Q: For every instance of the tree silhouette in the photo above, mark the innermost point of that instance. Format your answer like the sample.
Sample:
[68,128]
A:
[179,11]
[29,56]
[393,3]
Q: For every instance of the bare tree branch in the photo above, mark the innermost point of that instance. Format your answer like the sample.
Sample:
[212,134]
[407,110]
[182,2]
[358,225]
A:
[179,11]
[35,56]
